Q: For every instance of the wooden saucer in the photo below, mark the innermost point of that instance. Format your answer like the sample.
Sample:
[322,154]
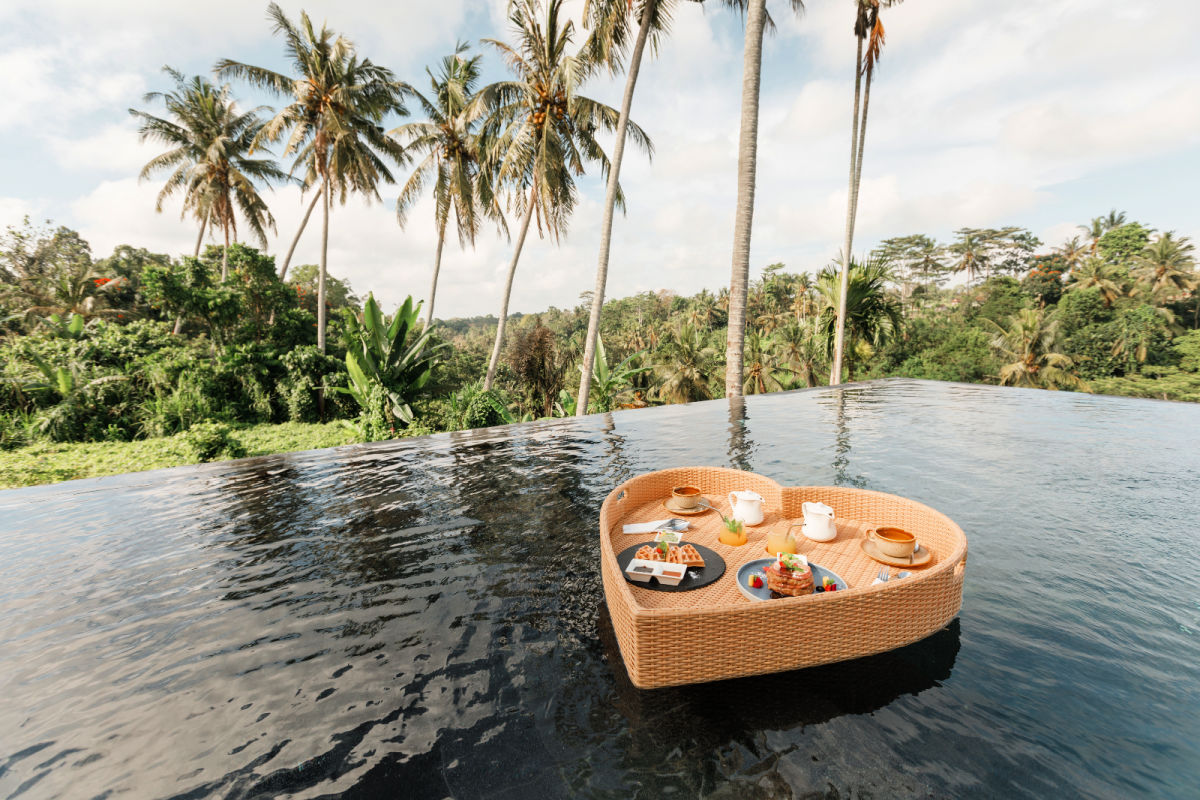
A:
[669,503]
[919,559]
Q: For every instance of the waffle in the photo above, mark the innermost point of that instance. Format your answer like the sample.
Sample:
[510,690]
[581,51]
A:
[685,554]
[648,553]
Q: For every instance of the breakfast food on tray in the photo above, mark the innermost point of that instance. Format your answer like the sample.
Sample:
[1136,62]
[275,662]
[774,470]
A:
[685,554]
[653,552]
[789,575]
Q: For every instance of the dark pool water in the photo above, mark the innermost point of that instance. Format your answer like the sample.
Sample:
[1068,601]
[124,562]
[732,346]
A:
[424,619]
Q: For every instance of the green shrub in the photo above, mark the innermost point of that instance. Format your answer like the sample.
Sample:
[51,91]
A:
[14,431]
[965,355]
[210,441]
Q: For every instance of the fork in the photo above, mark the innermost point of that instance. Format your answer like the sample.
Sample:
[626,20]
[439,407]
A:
[881,576]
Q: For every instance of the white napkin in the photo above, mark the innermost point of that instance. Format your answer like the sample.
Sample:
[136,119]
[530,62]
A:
[651,527]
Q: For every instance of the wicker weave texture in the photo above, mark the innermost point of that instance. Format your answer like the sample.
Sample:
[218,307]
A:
[713,633]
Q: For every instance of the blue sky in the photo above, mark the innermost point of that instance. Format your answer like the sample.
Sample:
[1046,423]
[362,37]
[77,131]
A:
[1040,113]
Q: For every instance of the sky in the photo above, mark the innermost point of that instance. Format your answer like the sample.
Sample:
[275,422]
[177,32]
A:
[1037,113]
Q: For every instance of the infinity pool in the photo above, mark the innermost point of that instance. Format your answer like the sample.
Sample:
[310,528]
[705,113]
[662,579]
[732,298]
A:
[424,619]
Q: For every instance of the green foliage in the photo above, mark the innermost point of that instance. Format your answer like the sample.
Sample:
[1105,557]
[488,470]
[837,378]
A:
[476,407]
[338,292]
[211,441]
[534,360]
[1003,297]
[964,355]
[387,368]
[609,385]
[1120,245]
[46,462]
[1044,282]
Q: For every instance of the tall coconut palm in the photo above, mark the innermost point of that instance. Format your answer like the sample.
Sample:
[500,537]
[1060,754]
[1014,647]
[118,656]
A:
[333,122]
[1029,347]
[1167,266]
[872,317]
[448,139]
[611,20]
[739,278]
[868,30]
[209,143]
[540,131]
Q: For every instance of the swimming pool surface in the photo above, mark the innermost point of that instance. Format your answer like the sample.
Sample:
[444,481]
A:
[424,618]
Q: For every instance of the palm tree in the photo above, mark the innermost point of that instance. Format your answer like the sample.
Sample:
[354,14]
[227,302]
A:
[338,103]
[739,279]
[971,251]
[762,368]
[607,43]
[1072,251]
[449,141]
[1029,346]
[210,143]
[871,317]
[540,131]
[1097,272]
[1113,220]
[684,366]
[797,347]
[1167,265]
[1094,231]
[868,28]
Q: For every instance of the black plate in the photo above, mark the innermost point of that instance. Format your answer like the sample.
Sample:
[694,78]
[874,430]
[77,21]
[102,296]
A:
[713,569]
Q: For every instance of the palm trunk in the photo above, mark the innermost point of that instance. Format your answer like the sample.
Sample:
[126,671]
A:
[321,290]
[200,238]
[839,339]
[862,140]
[195,254]
[610,202]
[324,261]
[296,239]
[744,221]
[225,256]
[437,267]
[512,270]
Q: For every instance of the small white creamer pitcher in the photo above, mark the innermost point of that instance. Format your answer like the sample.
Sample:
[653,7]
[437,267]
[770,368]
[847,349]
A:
[746,506]
[818,522]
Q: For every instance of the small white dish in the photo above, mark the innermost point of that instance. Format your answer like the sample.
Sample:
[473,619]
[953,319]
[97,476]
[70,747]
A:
[670,537]
[641,570]
[671,574]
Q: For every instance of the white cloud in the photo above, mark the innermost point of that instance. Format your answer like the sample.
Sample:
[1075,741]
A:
[112,148]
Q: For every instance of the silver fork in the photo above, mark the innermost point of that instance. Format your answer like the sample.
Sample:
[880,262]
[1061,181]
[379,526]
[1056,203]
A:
[883,574]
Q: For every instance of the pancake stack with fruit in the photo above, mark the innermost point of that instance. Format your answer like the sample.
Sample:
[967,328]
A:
[790,575]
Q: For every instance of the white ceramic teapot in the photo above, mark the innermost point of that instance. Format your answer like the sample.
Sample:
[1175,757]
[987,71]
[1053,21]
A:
[818,522]
[746,506]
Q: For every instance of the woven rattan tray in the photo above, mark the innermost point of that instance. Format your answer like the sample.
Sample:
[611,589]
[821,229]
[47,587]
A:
[713,633]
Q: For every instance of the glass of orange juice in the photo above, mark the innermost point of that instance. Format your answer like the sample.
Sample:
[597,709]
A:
[781,540]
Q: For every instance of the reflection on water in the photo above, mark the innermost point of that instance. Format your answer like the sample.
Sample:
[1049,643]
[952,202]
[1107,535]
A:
[425,618]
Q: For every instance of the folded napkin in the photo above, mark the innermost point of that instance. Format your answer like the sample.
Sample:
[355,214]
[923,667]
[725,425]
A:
[651,527]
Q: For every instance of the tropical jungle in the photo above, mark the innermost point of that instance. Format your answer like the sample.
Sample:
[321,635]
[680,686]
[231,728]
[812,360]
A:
[136,359]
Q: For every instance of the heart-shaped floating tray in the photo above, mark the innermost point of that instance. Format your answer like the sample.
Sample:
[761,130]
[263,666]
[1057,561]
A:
[669,639]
